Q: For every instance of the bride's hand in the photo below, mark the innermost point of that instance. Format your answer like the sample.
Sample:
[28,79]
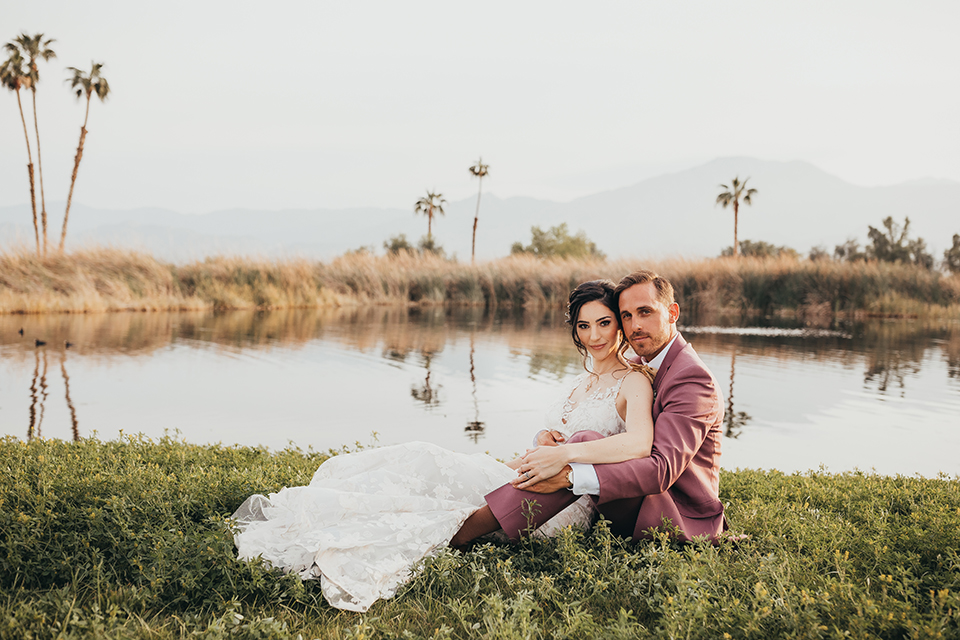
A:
[550,438]
[540,464]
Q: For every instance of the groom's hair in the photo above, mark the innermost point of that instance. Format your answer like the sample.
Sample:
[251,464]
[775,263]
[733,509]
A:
[643,276]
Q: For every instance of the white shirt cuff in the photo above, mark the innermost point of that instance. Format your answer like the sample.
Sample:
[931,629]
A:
[585,480]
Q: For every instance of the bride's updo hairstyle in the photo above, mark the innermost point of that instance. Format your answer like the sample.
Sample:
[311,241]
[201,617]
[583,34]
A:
[601,290]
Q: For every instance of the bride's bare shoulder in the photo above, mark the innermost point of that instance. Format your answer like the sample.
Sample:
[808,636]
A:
[635,383]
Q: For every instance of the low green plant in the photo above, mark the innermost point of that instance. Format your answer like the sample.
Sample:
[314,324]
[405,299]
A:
[129,539]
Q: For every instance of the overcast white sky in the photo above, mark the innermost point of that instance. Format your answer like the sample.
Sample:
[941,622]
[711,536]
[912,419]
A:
[306,104]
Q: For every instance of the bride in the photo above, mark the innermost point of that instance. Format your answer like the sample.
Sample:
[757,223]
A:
[368,518]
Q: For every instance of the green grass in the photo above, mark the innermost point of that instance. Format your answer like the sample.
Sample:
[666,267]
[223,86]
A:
[128,539]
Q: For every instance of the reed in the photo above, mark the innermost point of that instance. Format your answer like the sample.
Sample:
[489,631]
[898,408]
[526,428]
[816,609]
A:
[106,279]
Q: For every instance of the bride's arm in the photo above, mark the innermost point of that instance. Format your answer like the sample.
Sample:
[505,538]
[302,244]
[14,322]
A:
[636,442]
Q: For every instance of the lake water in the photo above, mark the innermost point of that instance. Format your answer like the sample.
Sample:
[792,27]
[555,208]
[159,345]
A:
[880,395]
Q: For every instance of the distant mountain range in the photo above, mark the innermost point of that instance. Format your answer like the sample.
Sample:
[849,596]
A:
[797,205]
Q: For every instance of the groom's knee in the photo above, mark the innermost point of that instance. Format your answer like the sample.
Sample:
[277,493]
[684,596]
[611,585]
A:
[584,436]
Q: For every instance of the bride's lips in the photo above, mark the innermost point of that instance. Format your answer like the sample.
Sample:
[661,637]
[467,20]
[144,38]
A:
[598,346]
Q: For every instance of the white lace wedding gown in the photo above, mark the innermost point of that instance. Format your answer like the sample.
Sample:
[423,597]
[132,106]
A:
[368,518]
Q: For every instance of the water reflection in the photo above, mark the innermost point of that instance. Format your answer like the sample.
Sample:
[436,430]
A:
[34,422]
[39,392]
[426,393]
[475,427]
[951,347]
[66,385]
[734,421]
[891,358]
[466,379]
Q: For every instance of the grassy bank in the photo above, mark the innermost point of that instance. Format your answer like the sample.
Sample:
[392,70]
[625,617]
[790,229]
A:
[111,280]
[128,540]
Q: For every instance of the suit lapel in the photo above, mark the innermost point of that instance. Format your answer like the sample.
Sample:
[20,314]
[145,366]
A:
[675,349]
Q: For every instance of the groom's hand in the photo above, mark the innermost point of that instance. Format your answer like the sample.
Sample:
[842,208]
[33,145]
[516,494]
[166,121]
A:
[550,485]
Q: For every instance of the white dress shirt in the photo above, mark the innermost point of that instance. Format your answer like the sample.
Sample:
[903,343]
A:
[585,480]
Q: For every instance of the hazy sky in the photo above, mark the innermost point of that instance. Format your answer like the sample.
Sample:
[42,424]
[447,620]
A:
[320,104]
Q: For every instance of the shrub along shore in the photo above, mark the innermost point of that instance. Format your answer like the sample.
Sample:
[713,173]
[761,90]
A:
[129,539]
[115,280]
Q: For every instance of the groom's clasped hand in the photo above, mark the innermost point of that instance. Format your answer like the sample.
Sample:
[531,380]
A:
[543,468]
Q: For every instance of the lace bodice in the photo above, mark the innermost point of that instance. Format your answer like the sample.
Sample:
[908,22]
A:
[596,412]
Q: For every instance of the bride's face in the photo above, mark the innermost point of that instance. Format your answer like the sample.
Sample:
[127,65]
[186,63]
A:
[598,330]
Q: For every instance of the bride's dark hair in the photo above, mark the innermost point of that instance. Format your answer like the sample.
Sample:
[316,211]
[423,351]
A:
[594,290]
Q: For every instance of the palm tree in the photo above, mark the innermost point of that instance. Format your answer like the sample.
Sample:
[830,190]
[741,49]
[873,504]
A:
[14,76]
[733,195]
[478,170]
[89,84]
[430,206]
[35,48]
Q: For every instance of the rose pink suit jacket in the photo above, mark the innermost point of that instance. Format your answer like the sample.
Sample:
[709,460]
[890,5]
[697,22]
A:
[680,479]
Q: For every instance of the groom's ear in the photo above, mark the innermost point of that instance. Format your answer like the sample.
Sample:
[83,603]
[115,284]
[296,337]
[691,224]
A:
[674,311]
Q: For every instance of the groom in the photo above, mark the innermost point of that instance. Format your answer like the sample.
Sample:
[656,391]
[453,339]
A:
[678,484]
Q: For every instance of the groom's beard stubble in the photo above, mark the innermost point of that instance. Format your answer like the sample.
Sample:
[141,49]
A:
[650,347]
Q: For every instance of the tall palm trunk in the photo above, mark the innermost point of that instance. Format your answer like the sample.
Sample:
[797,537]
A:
[473,243]
[33,192]
[73,178]
[736,245]
[430,223]
[43,202]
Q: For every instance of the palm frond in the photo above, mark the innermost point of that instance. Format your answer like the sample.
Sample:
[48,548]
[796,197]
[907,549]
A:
[735,193]
[102,89]
[12,71]
[32,48]
[479,170]
[89,83]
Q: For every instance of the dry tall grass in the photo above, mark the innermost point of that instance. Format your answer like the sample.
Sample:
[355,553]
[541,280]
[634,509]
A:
[110,279]
[89,280]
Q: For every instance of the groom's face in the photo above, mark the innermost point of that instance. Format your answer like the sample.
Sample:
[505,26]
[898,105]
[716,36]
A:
[648,324]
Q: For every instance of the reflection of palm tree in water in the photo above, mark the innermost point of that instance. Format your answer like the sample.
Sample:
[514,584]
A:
[33,396]
[734,421]
[66,384]
[475,427]
[426,393]
[39,393]
[36,411]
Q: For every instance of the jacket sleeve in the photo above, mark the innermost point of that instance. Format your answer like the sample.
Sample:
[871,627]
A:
[690,406]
